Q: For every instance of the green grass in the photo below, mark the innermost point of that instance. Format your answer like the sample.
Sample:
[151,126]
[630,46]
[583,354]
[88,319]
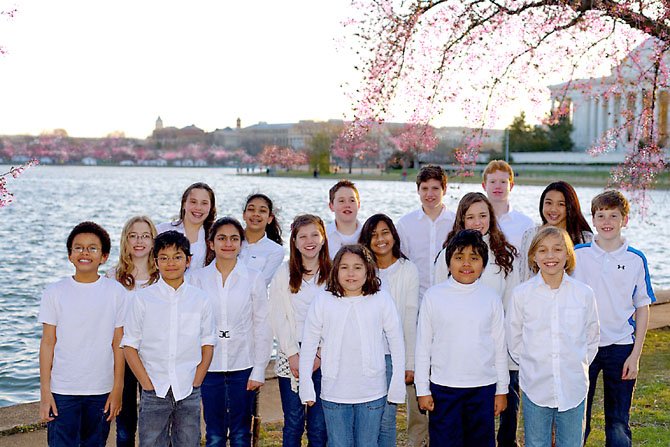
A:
[650,414]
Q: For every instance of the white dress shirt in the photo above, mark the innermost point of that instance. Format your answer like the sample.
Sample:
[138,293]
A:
[621,282]
[240,307]
[168,328]
[421,240]
[553,335]
[198,248]
[337,239]
[265,256]
[460,341]
[513,224]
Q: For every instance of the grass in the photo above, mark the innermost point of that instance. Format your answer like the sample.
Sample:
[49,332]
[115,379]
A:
[650,414]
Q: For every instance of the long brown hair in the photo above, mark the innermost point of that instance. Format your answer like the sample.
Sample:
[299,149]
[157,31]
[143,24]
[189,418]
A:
[295,268]
[372,283]
[503,251]
[575,223]
[212,201]
[125,267]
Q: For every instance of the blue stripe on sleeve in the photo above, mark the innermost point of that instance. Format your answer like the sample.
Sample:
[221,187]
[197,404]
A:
[647,278]
[586,245]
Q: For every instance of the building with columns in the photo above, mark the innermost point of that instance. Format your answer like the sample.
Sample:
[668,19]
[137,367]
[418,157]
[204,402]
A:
[615,110]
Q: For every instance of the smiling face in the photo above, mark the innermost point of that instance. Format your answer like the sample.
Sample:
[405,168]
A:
[140,240]
[554,208]
[308,241]
[197,207]
[345,205]
[498,186]
[477,217]
[227,242]
[172,263]
[381,242]
[86,255]
[431,194]
[609,223]
[351,274]
[551,256]
[466,266]
[257,215]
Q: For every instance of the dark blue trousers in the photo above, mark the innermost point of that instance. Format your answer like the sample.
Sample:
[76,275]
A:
[81,421]
[126,421]
[296,414]
[510,417]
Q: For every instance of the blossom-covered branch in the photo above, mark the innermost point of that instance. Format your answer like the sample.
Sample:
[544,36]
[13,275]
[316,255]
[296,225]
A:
[6,197]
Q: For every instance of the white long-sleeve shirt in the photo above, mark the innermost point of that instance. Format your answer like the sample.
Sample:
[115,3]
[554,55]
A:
[375,318]
[240,307]
[198,248]
[337,239]
[460,340]
[514,224]
[168,328]
[553,335]
[265,256]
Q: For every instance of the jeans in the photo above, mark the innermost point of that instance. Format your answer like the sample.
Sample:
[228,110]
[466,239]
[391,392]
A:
[126,421]
[539,421]
[387,433]
[81,421]
[295,415]
[618,394]
[353,425]
[164,421]
[462,417]
[228,408]
[509,418]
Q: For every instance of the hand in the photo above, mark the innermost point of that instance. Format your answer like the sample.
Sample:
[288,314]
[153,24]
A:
[148,386]
[113,404]
[409,377]
[198,383]
[294,364]
[252,385]
[631,367]
[47,408]
[499,404]
[309,403]
[426,403]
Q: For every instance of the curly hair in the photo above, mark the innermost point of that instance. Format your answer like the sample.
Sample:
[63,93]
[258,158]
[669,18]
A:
[125,267]
[372,283]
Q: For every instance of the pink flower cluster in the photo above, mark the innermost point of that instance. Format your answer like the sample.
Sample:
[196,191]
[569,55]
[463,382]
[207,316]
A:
[6,197]
[284,157]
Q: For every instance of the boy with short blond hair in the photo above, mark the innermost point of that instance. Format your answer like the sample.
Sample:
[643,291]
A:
[619,276]
[344,201]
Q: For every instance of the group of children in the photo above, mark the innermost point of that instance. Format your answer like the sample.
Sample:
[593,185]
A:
[460,315]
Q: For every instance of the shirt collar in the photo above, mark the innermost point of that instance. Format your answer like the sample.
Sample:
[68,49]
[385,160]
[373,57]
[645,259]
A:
[443,214]
[463,287]
[259,242]
[538,281]
[615,254]
[168,290]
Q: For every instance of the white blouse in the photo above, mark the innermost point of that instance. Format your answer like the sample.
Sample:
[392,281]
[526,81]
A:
[198,248]
[264,255]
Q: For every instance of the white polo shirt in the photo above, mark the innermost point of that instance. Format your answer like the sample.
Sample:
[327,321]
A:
[337,239]
[513,224]
[85,316]
[265,256]
[198,248]
[621,282]
[168,328]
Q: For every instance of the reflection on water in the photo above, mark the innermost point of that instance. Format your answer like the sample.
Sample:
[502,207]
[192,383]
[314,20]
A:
[51,200]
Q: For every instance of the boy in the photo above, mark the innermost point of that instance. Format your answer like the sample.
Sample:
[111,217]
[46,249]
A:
[422,233]
[81,364]
[498,181]
[168,345]
[345,202]
[461,358]
[619,276]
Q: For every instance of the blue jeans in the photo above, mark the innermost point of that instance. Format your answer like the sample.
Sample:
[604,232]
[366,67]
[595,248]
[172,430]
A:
[228,408]
[81,421]
[462,417]
[295,415]
[164,421]
[618,394]
[387,433]
[509,418]
[353,425]
[126,421]
[539,421]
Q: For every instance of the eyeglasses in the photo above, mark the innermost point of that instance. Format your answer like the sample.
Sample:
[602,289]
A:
[91,250]
[166,259]
[141,237]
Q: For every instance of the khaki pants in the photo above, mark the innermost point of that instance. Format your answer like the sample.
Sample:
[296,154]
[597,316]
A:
[417,423]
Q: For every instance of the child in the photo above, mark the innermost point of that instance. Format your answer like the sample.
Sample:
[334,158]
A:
[81,364]
[240,305]
[461,360]
[345,202]
[168,345]
[400,278]
[136,269]
[292,290]
[196,214]
[262,245]
[552,333]
[559,207]
[619,276]
[351,320]
[498,181]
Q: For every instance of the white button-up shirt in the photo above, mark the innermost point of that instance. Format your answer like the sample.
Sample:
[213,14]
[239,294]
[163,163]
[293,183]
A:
[553,335]
[265,256]
[337,239]
[198,248]
[421,240]
[243,333]
[513,224]
[168,328]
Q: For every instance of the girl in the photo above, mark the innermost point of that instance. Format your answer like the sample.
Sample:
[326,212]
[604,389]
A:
[350,320]
[239,299]
[262,248]
[292,290]
[136,268]
[196,214]
[553,334]
[559,206]
[400,278]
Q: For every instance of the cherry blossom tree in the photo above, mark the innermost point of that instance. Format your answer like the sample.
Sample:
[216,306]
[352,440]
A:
[284,157]
[6,197]
[356,142]
[415,139]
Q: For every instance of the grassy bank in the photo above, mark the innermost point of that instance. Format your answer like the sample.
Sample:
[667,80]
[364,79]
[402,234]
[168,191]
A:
[650,415]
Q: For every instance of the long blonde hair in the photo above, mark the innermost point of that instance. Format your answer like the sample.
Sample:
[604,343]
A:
[125,267]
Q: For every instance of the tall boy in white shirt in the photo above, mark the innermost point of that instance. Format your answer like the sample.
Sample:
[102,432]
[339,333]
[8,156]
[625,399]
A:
[81,364]
[168,344]
[461,360]
[344,201]
[619,276]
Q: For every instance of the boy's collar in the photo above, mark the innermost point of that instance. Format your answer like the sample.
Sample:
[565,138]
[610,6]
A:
[601,251]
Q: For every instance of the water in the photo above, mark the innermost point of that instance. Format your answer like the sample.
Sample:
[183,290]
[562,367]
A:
[49,201]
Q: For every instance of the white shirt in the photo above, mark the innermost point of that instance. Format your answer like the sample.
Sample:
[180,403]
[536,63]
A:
[198,248]
[265,256]
[513,224]
[85,316]
[621,282]
[244,336]
[421,240]
[401,280]
[460,340]
[337,239]
[326,324]
[168,328]
[553,335]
